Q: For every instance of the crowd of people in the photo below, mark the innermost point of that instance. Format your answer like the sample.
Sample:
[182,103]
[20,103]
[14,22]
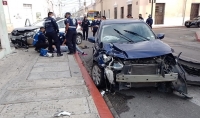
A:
[51,31]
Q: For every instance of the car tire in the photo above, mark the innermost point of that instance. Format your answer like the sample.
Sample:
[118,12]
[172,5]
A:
[79,39]
[198,24]
[98,75]
[188,26]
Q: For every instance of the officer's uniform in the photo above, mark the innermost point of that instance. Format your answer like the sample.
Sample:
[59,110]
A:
[149,21]
[85,25]
[51,28]
[71,34]
[40,41]
[95,25]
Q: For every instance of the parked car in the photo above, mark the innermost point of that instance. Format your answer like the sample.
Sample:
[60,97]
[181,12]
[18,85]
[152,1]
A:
[127,53]
[193,22]
[23,37]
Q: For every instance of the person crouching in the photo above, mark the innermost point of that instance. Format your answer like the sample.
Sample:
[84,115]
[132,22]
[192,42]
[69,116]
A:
[40,40]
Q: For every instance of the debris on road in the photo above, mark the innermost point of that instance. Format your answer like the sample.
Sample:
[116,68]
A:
[102,93]
[62,113]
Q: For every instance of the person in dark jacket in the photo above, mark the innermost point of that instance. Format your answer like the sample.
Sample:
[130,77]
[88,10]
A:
[149,21]
[51,28]
[103,18]
[95,25]
[40,42]
[70,30]
[140,17]
[85,27]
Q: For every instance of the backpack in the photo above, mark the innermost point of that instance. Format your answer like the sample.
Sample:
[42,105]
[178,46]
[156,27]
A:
[35,38]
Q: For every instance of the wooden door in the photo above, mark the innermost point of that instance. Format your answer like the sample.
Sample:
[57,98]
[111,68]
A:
[159,13]
[194,12]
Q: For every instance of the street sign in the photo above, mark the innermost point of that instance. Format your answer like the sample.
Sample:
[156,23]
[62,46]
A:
[5,2]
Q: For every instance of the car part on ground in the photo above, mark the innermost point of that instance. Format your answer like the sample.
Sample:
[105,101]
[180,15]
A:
[79,38]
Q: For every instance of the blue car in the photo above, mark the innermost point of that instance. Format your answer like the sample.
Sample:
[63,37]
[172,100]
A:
[127,53]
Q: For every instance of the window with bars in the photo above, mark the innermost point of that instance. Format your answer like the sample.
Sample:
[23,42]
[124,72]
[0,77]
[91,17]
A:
[129,9]
[27,5]
[115,12]
[122,12]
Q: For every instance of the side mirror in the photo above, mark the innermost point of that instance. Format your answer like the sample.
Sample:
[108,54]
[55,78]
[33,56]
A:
[91,39]
[160,35]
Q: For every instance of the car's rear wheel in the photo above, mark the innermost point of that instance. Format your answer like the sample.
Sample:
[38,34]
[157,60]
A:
[187,25]
[79,39]
[97,75]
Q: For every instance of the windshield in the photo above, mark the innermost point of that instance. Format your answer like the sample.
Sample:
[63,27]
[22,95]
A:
[39,23]
[134,32]
[90,14]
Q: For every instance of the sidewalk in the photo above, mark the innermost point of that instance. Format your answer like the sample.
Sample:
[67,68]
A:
[38,87]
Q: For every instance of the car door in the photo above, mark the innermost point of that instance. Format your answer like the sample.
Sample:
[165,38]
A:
[61,25]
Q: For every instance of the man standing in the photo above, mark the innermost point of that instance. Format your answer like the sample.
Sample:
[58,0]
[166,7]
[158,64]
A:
[70,31]
[140,17]
[85,27]
[129,16]
[51,28]
[95,25]
[103,17]
[149,21]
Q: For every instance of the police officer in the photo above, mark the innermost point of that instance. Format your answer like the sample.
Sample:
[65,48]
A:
[95,25]
[51,28]
[70,31]
[149,21]
[85,27]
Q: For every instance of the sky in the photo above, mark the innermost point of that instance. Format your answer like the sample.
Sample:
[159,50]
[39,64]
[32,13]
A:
[73,5]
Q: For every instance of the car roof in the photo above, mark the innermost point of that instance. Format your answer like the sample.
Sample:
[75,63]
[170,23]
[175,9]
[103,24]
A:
[117,21]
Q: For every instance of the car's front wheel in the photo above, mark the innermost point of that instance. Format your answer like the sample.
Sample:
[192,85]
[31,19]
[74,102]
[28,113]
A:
[97,75]
[187,25]
[79,39]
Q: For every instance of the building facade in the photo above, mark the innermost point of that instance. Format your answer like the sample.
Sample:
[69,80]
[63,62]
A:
[17,11]
[164,12]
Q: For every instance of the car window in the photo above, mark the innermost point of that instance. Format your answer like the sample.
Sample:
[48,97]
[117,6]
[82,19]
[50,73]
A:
[61,24]
[110,35]
[39,23]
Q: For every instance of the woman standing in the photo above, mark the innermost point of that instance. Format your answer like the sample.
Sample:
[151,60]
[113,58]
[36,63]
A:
[85,27]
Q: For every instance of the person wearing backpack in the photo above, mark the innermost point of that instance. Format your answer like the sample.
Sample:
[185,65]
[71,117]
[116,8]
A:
[40,40]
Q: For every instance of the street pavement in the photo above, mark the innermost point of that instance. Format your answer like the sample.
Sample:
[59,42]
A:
[148,102]
[38,87]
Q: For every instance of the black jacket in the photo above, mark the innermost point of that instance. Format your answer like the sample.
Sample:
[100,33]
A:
[85,24]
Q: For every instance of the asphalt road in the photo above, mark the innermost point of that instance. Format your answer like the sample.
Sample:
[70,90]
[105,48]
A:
[148,102]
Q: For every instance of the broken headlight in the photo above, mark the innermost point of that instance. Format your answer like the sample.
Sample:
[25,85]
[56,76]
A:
[106,58]
[29,34]
[118,66]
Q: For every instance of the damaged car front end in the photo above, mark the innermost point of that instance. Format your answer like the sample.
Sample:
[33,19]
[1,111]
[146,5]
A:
[126,62]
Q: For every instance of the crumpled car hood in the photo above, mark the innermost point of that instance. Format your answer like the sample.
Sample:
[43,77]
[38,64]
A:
[143,49]
[26,28]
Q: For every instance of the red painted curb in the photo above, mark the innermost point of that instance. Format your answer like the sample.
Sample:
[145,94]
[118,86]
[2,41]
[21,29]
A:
[197,34]
[101,105]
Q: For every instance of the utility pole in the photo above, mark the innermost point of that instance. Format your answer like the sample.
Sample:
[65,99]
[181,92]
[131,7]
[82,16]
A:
[152,1]
[5,43]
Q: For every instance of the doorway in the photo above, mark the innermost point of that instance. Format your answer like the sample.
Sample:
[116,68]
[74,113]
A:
[159,13]
[122,12]
[194,12]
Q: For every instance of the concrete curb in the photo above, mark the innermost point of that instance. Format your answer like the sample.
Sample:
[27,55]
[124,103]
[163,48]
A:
[101,105]
[197,34]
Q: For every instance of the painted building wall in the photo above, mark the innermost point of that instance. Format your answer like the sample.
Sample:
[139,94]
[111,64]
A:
[176,11]
[16,13]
